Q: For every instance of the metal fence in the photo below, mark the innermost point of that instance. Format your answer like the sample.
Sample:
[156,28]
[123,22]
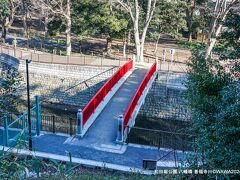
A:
[78,59]
[168,62]
[160,139]
[14,129]
[55,124]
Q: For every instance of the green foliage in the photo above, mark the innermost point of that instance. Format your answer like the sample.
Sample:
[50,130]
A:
[91,17]
[9,82]
[189,45]
[229,42]
[214,99]
[169,17]
[4,9]
[56,26]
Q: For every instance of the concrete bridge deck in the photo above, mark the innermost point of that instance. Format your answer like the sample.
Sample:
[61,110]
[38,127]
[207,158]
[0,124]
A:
[103,133]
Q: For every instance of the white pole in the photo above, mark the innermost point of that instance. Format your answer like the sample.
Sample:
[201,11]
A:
[120,134]
[79,122]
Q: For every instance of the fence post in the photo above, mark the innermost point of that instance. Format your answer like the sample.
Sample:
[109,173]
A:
[79,122]
[6,135]
[14,49]
[53,118]
[71,129]
[120,134]
[38,114]
[51,58]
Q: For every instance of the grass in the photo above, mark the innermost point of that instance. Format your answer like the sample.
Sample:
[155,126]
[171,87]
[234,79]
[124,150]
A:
[188,45]
[16,166]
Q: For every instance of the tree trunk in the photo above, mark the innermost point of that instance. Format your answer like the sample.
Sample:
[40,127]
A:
[124,48]
[25,24]
[4,33]
[109,46]
[190,35]
[156,45]
[80,46]
[5,28]
[137,45]
[68,29]
[68,37]
[135,15]
[46,27]
[142,43]
[216,26]
[129,37]
[189,15]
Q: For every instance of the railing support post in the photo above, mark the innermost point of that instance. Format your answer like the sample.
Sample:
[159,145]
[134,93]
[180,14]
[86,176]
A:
[79,122]
[53,127]
[120,134]
[6,135]
[38,114]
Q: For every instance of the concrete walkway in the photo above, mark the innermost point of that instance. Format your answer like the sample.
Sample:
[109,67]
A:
[132,157]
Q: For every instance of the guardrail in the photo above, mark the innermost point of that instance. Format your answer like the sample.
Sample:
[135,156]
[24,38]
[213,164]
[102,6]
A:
[18,128]
[87,116]
[128,119]
[58,124]
[161,139]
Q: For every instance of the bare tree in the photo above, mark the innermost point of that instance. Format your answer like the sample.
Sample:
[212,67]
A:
[43,13]
[59,8]
[8,19]
[133,8]
[221,9]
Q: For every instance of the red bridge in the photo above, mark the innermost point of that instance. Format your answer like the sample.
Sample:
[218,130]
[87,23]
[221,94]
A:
[111,113]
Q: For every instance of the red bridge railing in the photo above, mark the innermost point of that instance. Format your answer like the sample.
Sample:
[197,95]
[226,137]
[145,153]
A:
[128,113]
[101,94]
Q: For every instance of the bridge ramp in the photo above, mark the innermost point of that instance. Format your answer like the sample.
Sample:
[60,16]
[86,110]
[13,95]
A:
[103,133]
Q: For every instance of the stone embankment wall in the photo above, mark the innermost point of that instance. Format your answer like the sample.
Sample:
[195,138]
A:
[165,99]
[64,84]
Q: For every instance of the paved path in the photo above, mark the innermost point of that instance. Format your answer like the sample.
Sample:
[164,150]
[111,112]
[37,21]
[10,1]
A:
[132,157]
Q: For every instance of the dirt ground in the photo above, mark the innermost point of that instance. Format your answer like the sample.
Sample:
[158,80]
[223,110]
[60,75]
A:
[97,45]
